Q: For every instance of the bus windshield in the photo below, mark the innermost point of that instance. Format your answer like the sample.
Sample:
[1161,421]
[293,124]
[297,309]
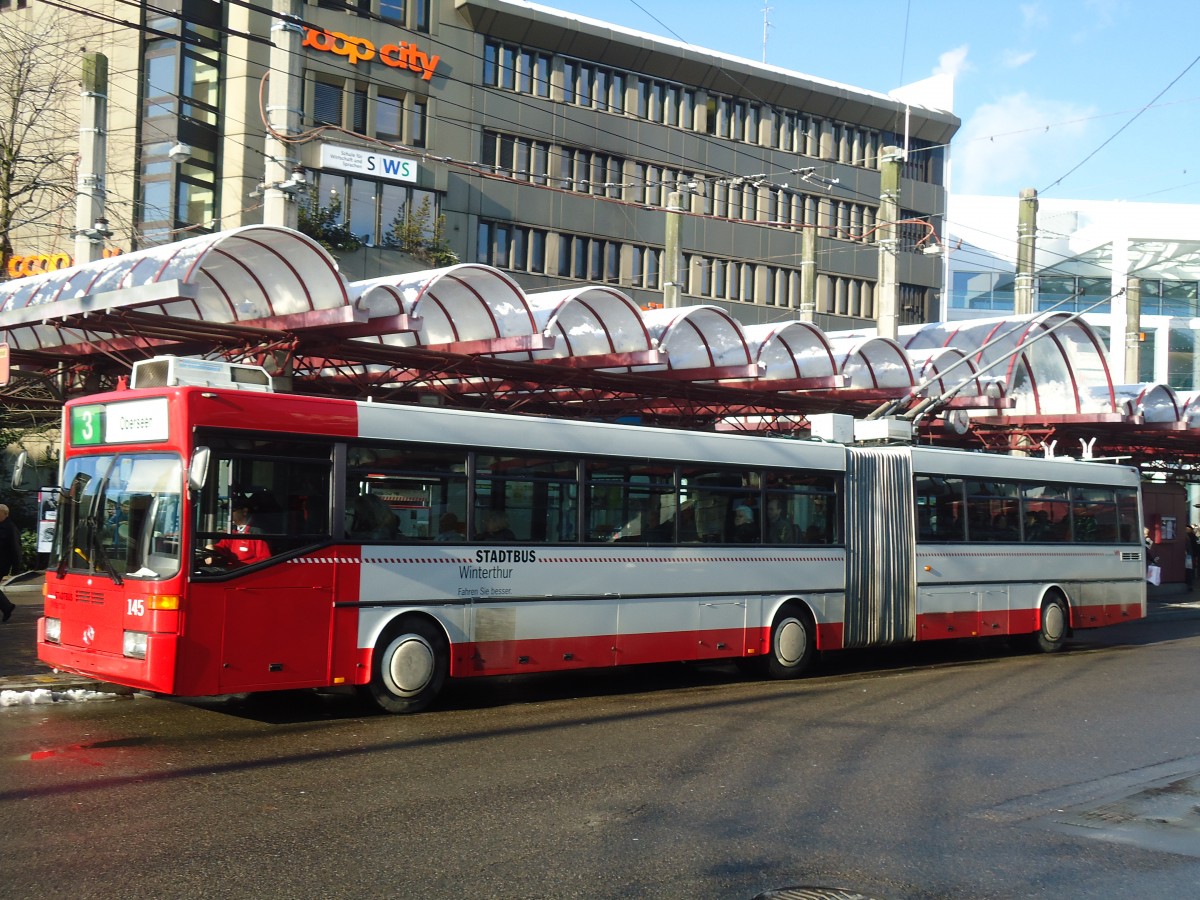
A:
[119,516]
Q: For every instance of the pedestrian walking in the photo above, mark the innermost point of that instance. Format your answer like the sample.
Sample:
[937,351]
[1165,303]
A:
[10,558]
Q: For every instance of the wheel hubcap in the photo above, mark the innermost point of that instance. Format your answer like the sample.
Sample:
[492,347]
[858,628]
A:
[790,642]
[1054,622]
[410,665]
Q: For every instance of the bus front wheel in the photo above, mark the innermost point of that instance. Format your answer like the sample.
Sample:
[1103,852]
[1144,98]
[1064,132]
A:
[793,644]
[409,666]
[1051,635]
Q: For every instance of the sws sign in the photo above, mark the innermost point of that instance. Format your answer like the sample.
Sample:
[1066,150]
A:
[356,49]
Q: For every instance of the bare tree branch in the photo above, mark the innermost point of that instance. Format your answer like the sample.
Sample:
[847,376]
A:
[39,91]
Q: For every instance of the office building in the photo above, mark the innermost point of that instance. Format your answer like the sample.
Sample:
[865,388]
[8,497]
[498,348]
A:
[511,134]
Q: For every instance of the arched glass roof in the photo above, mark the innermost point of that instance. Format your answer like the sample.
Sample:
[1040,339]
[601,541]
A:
[266,280]
[247,274]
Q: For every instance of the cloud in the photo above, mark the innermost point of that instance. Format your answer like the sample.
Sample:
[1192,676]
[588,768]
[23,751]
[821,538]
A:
[1012,143]
[1033,17]
[1014,59]
[953,62]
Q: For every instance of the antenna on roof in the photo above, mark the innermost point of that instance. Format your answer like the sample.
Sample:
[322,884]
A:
[766,27]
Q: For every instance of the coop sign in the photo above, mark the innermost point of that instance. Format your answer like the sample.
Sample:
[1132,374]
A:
[404,55]
[41,263]
[36,264]
[364,162]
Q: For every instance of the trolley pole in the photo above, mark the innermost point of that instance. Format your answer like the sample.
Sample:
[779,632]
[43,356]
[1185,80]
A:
[808,275]
[1133,329]
[283,117]
[887,313]
[674,255]
[90,226]
[1026,252]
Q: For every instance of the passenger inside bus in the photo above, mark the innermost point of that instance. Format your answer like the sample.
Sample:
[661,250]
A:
[745,530]
[1036,525]
[495,527]
[646,525]
[368,518]
[780,530]
[449,528]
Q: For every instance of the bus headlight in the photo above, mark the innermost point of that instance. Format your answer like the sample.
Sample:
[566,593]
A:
[53,629]
[134,644]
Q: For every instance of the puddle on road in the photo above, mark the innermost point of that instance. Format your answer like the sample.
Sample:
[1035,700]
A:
[1156,808]
[88,753]
[1162,817]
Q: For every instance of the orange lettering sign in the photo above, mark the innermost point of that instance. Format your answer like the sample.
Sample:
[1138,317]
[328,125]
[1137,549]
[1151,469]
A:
[36,264]
[403,55]
[41,263]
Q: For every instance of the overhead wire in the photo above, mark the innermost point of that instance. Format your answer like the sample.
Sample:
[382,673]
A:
[1115,134]
[742,151]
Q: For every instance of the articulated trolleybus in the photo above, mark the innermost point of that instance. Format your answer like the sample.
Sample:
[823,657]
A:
[215,537]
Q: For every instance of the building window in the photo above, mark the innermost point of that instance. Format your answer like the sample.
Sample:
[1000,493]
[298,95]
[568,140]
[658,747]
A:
[982,290]
[585,83]
[360,7]
[359,121]
[418,123]
[514,247]
[1072,293]
[412,14]
[161,82]
[180,100]
[327,104]
[389,118]
[1170,298]
[373,209]
[380,115]
[914,299]
[514,68]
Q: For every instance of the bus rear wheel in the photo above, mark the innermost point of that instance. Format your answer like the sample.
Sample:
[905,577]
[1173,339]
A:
[1051,635]
[793,643]
[409,666]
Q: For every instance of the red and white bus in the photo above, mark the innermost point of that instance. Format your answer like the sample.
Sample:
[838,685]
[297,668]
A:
[411,544]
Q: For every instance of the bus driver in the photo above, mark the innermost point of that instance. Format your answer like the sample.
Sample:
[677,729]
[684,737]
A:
[239,550]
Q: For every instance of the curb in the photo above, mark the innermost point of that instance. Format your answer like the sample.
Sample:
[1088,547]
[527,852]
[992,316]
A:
[59,683]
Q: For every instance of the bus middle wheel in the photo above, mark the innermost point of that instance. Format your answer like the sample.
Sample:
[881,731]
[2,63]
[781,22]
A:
[409,666]
[793,643]
[1055,621]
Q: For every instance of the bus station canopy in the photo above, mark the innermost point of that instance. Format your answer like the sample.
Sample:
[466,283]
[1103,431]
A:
[470,335]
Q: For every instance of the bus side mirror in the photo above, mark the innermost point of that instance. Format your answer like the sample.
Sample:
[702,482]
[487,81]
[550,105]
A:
[198,468]
[25,475]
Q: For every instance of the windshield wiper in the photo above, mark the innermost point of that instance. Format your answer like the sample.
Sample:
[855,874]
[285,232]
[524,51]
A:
[68,509]
[97,546]
[95,542]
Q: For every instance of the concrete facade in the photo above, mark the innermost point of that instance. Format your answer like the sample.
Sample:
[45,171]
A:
[550,144]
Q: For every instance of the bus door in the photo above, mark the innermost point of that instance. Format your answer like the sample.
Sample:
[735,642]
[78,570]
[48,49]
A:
[271,627]
[263,508]
[881,550]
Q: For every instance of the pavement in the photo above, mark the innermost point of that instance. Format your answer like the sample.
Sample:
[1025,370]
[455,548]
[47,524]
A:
[21,670]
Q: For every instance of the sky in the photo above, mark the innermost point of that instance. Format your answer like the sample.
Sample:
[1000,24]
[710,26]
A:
[1078,99]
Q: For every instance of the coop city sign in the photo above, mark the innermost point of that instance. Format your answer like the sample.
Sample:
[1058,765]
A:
[357,49]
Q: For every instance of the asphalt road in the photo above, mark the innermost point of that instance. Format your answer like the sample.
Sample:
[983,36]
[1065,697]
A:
[952,771]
